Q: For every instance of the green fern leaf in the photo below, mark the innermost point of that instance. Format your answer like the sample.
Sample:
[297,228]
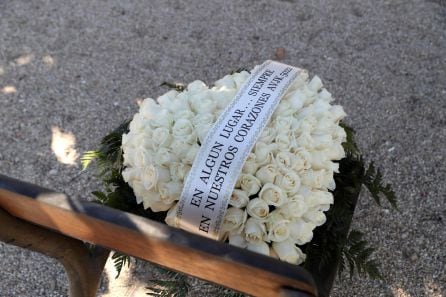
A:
[373,180]
[120,260]
[101,197]
[89,157]
[357,254]
[350,145]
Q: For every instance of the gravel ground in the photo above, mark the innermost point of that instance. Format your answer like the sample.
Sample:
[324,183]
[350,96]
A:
[81,66]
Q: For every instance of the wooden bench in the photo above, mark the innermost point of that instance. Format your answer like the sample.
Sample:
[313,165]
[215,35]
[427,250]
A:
[53,224]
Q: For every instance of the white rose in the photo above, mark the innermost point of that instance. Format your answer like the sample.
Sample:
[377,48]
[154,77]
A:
[203,102]
[170,191]
[289,182]
[249,183]
[162,173]
[257,208]
[315,216]
[191,153]
[297,101]
[283,123]
[137,123]
[284,160]
[300,80]
[196,87]
[184,114]
[267,174]
[130,174]
[321,141]
[315,84]
[202,131]
[282,141]
[319,159]
[149,197]
[337,112]
[283,109]
[336,152]
[183,130]
[328,181]
[325,126]
[264,152]
[144,157]
[160,206]
[321,109]
[163,118]
[234,219]
[305,125]
[180,148]
[149,176]
[272,195]
[318,197]
[178,104]
[152,199]
[301,232]
[250,166]
[237,239]
[203,119]
[267,135]
[302,159]
[166,99]
[319,179]
[138,189]
[324,95]
[164,156]
[301,98]
[240,78]
[277,226]
[179,171]
[259,247]
[223,96]
[161,137]
[255,230]
[149,108]
[322,207]
[227,81]
[126,139]
[295,208]
[309,95]
[339,135]
[129,156]
[313,178]
[289,252]
[239,198]
[305,140]
[171,217]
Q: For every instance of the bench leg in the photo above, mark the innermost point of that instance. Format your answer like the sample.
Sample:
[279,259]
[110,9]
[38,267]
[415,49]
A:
[84,266]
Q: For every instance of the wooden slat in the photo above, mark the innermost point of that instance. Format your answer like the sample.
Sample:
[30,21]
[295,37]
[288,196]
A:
[176,249]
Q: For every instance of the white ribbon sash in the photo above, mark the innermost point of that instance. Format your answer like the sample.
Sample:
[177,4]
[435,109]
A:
[217,166]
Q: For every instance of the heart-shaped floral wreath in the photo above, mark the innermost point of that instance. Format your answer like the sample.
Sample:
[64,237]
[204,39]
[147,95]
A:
[285,185]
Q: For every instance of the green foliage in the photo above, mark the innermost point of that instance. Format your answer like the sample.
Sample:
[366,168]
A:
[176,86]
[350,146]
[357,254]
[120,260]
[109,154]
[171,283]
[374,183]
